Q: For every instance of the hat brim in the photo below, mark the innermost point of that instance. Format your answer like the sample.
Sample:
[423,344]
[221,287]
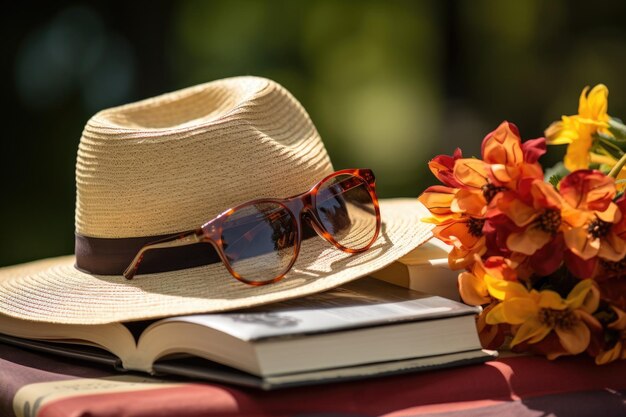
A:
[53,290]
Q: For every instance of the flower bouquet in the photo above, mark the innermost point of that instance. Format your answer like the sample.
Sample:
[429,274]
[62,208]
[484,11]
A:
[545,256]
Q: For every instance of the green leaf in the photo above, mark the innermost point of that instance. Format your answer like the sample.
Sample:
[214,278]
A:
[555,180]
[555,174]
[616,140]
[604,168]
[617,129]
[610,146]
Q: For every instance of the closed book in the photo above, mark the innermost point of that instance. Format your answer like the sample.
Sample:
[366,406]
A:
[367,327]
[424,269]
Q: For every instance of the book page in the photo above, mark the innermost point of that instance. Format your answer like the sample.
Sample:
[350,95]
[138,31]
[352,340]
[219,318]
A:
[113,337]
[362,303]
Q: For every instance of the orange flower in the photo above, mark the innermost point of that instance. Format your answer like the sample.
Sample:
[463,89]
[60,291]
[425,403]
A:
[438,200]
[589,215]
[466,239]
[536,314]
[616,332]
[460,230]
[538,221]
[477,191]
[507,164]
[461,208]
[465,236]
[509,160]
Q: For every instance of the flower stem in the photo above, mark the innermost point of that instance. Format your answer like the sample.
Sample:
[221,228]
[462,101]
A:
[618,167]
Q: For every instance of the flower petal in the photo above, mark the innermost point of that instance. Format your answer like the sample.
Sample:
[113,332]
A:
[577,154]
[533,149]
[513,311]
[620,321]
[612,248]
[528,174]
[610,355]
[471,172]
[504,290]
[574,339]
[580,243]
[574,217]
[497,267]
[552,300]
[456,232]
[579,267]
[528,241]
[442,165]
[438,199]
[532,331]
[504,174]
[560,133]
[588,189]
[491,336]
[549,258]
[503,146]
[545,196]
[462,256]
[473,289]
[612,214]
[584,295]
[589,320]
[595,104]
[471,202]
[521,214]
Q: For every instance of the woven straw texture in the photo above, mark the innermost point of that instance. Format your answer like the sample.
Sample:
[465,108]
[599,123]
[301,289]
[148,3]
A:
[170,163]
[54,291]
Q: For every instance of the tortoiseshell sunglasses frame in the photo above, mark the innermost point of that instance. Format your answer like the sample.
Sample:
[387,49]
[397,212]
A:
[297,206]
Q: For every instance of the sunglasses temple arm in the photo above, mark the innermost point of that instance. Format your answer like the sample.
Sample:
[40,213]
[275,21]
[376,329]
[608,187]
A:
[184,240]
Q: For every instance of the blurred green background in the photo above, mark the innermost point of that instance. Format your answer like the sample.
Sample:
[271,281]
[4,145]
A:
[389,84]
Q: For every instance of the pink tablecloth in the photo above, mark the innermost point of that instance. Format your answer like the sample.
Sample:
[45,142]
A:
[36,385]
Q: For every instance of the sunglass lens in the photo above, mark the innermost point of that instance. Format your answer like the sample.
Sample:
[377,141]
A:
[347,211]
[259,241]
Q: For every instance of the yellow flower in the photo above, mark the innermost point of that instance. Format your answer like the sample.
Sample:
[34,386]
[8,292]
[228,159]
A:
[577,131]
[535,314]
[472,286]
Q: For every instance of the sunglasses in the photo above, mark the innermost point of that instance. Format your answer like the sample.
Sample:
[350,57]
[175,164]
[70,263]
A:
[259,241]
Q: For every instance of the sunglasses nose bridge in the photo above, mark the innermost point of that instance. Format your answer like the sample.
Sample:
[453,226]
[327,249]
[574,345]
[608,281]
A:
[311,219]
[210,231]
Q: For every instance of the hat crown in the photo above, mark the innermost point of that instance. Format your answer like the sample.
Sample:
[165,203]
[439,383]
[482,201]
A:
[170,163]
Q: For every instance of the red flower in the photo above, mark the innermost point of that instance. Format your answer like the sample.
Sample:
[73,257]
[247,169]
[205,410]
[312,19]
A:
[442,167]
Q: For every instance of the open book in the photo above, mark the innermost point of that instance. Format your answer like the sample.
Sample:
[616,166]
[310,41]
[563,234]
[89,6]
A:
[362,328]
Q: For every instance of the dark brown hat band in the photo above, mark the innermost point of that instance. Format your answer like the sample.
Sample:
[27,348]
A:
[102,256]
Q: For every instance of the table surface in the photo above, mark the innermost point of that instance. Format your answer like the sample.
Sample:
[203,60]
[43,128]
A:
[36,385]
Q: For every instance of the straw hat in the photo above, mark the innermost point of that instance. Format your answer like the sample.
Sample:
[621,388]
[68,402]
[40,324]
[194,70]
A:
[168,164]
